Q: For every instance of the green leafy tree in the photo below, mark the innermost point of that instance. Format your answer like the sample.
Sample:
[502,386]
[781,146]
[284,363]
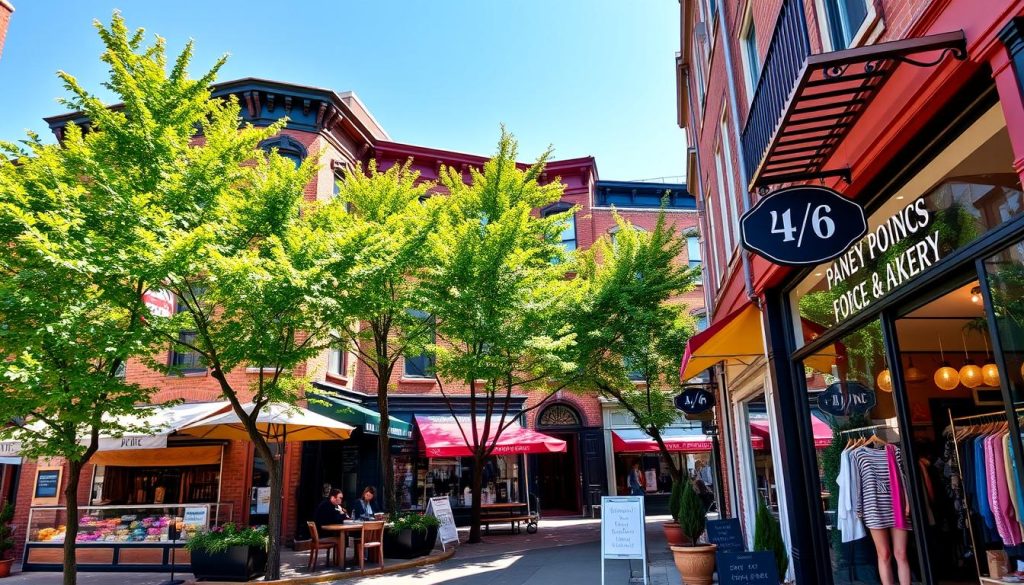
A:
[496,287]
[768,537]
[76,220]
[381,260]
[629,328]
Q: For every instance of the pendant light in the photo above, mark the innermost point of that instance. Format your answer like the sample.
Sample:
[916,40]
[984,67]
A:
[945,377]
[913,373]
[990,371]
[885,381]
[970,373]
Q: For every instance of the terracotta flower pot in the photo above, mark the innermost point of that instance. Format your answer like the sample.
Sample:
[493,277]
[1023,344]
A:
[5,567]
[696,564]
[674,534]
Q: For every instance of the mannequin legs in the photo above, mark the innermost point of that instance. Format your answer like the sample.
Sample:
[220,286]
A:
[886,551]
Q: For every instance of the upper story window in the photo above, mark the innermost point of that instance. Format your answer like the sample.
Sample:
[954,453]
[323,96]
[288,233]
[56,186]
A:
[337,359]
[693,250]
[568,235]
[751,60]
[287,147]
[184,360]
[422,365]
[844,20]
[621,194]
[702,320]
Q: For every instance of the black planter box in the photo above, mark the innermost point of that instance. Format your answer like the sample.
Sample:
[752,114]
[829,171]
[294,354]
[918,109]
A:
[408,543]
[238,563]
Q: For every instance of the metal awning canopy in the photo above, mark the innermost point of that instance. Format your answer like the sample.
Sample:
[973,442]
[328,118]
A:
[832,91]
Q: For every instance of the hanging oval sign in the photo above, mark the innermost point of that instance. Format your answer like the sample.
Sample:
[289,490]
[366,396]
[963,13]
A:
[802,226]
[695,400]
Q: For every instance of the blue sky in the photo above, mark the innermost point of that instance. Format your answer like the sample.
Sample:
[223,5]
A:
[590,77]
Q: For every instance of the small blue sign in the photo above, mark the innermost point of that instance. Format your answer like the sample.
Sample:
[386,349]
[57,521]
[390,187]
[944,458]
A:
[857,399]
[726,534]
[695,400]
[748,568]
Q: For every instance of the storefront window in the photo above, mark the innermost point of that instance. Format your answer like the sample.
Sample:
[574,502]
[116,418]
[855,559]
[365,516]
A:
[864,483]
[420,480]
[657,479]
[967,190]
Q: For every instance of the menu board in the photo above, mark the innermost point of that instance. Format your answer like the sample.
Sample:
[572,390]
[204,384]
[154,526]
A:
[441,508]
[622,527]
[47,483]
[753,568]
[726,534]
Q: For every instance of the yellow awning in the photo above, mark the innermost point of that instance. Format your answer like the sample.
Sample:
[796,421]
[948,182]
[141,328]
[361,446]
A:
[737,338]
[167,457]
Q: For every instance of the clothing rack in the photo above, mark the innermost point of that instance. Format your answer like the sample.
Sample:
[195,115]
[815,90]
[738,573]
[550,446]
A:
[862,429]
[960,470]
[987,414]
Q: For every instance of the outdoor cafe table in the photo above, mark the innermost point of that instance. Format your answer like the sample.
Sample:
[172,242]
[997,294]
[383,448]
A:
[343,531]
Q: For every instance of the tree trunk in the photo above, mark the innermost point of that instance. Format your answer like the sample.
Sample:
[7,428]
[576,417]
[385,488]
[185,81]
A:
[71,522]
[476,485]
[675,472]
[387,471]
[275,467]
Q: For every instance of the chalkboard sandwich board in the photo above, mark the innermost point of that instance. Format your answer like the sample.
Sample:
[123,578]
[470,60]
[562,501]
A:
[726,534]
[748,568]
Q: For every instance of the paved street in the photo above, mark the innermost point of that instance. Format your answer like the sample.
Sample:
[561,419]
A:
[578,559]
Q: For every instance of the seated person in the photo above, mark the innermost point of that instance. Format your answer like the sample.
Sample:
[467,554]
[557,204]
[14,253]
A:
[363,508]
[330,511]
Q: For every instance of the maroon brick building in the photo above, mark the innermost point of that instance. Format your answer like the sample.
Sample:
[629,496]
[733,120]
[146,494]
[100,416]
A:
[6,10]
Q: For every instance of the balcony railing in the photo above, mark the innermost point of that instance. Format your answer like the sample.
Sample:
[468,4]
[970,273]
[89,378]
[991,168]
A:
[786,56]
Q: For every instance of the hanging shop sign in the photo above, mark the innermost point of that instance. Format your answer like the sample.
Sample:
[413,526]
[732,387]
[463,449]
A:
[802,226]
[695,400]
[857,399]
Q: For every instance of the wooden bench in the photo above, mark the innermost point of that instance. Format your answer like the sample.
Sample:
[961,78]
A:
[514,521]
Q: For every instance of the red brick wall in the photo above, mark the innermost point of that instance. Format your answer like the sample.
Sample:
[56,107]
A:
[5,18]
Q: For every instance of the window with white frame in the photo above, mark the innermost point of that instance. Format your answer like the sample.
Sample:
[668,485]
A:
[693,250]
[751,60]
[337,359]
[844,19]
[712,240]
[730,181]
[723,203]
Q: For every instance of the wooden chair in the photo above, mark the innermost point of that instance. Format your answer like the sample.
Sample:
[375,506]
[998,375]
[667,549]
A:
[318,544]
[372,537]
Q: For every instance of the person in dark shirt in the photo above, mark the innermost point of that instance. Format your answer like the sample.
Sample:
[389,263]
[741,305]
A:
[364,508]
[330,510]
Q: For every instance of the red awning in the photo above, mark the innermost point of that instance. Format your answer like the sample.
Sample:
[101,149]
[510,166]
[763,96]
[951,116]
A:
[822,432]
[440,436]
[637,441]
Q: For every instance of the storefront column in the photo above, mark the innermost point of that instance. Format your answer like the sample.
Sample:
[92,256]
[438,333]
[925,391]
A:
[1008,72]
[809,541]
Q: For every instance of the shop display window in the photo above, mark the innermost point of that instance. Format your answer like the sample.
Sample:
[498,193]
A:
[418,480]
[115,485]
[120,524]
[969,189]
[653,466]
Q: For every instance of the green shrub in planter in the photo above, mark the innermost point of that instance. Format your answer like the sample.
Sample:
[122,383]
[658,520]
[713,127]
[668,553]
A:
[228,554]
[414,522]
[768,537]
[673,500]
[692,515]
[221,538]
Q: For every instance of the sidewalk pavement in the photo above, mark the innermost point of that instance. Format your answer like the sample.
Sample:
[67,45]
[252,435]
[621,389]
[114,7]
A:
[563,551]
[562,546]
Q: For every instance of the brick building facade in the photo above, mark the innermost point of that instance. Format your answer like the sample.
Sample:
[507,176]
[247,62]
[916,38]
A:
[6,10]
[338,131]
[888,103]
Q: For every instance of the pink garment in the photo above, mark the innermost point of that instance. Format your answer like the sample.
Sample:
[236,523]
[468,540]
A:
[1002,507]
[896,489]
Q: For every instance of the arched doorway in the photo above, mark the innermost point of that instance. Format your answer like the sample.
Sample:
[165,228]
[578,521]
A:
[558,476]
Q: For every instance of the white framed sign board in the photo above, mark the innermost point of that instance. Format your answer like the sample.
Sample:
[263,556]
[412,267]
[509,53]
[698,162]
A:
[622,530]
[441,508]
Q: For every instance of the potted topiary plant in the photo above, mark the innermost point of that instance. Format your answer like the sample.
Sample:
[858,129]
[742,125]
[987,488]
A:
[408,536]
[696,562]
[768,537]
[228,554]
[6,537]
[673,532]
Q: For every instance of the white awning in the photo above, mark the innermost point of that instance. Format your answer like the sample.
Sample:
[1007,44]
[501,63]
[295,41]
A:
[159,422]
